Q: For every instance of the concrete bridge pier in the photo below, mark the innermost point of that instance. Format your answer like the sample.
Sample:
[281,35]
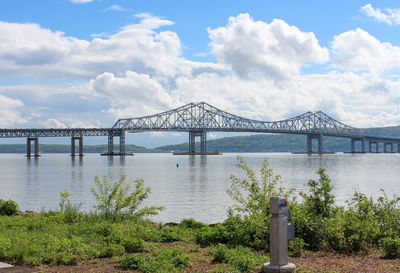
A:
[363,145]
[28,146]
[353,142]
[192,141]
[319,137]
[376,143]
[110,150]
[385,144]
[80,139]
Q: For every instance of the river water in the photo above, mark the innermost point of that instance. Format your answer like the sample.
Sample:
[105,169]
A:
[197,188]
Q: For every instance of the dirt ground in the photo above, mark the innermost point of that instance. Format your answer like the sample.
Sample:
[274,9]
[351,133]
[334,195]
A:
[310,262]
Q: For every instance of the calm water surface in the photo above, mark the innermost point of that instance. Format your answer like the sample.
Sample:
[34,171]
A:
[197,188]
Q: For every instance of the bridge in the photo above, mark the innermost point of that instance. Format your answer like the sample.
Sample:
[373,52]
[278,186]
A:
[200,118]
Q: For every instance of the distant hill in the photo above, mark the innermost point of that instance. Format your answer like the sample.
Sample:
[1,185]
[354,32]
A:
[252,143]
[280,143]
[64,148]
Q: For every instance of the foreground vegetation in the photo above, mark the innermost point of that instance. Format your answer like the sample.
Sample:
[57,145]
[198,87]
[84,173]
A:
[119,227]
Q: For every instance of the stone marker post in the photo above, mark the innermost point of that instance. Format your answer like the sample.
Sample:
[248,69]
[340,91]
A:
[278,238]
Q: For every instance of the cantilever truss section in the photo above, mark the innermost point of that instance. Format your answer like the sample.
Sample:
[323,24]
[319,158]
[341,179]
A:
[205,117]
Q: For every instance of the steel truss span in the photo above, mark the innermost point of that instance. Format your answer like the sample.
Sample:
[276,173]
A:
[75,132]
[199,118]
[203,116]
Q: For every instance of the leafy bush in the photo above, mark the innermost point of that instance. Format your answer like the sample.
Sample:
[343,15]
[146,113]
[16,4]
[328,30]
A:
[212,235]
[249,216]
[191,223]
[219,253]
[110,250]
[391,247]
[320,201]
[116,200]
[132,245]
[8,208]
[296,247]
[242,259]
[239,259]
[131,262]
[164,260]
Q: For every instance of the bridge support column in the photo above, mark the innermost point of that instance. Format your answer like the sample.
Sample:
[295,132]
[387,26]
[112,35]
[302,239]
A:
[309,143]
[73,145]
[110,150]
[192,141]
[363,145]
[398,147]
[320,143]
[28,146]
[122,143]
[352,149]
[319,137]
[203,142]
[110,144]
[370,146]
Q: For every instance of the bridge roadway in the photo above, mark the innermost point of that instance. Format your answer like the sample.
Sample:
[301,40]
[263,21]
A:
[199,118]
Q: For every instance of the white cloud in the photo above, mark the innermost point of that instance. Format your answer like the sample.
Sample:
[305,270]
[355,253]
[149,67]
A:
[81,1]
[274,50]
[27,50]
[115,8]
[357,50]
[140,71]
[52,123]
[389,16]
[132,94]
[10,114]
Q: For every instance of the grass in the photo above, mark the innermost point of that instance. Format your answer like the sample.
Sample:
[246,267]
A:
[54,238]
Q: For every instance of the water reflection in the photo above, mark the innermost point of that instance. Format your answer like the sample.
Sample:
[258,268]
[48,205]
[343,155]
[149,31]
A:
[197,188]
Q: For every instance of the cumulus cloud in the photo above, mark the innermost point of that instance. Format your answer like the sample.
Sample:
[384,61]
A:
[389,16]
[10,114]
[357,50]
[132,94]
[28,50]
[140,70]
[275,50]
[52,123]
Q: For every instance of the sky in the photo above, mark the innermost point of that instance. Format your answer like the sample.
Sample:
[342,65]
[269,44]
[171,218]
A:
[86,63]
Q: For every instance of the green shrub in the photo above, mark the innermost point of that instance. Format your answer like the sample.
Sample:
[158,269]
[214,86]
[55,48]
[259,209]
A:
[212,235]
[251,203]
[296,247]
[320,201]
[131,262]
[239,259]
[111,250]
[116,200]
[132,245]
[164,260]
[242,259]
[191,223]
[391,247]
[219,253]
[170,234]
[8,208]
